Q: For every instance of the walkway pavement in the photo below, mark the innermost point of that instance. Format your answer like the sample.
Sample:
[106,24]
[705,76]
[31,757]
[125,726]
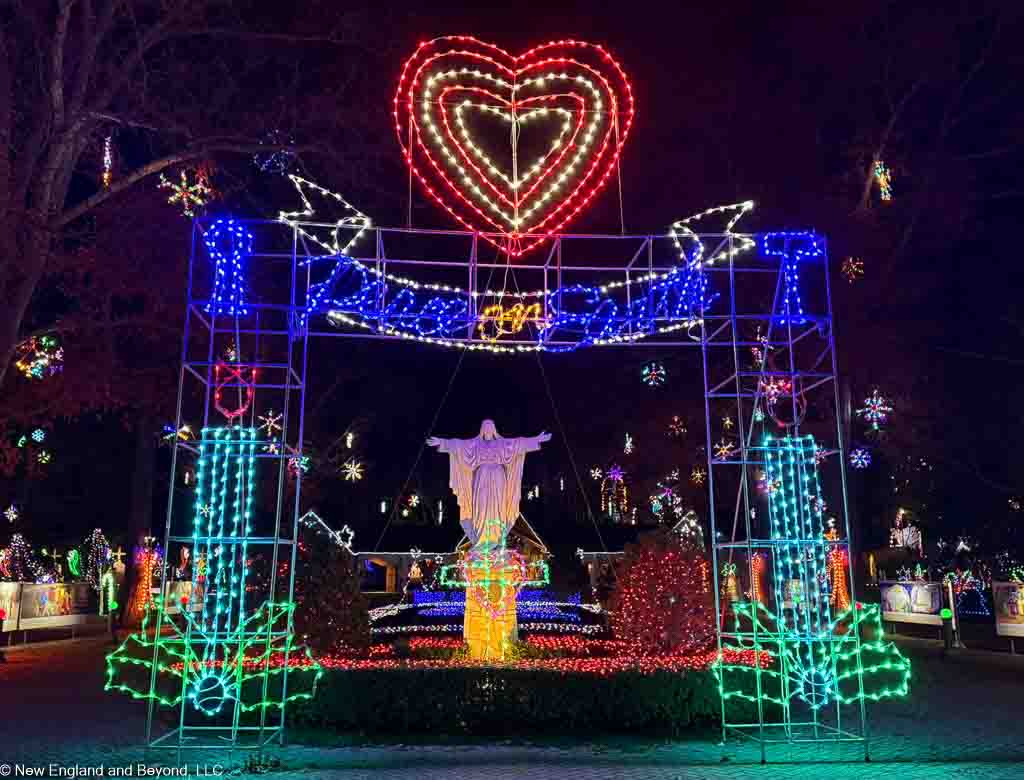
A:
[964,719]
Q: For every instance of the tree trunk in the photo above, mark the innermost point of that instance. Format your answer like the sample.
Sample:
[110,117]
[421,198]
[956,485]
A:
[35,251]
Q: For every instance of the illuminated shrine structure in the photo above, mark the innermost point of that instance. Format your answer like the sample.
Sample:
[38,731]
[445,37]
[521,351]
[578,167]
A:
[511,281]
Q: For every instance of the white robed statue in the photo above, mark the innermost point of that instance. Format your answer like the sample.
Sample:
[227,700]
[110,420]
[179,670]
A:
[486,475]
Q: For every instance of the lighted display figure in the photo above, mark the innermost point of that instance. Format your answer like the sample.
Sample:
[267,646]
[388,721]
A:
[615,495]
[627,448]
[883,177]
[352,470]
[596,473]
[676,427]
[230,245]
[819,654]
[39,357]
[11,513]
[190,195]
[875,411]
[653,374]
[486,475]
[270,423]
[279,156]
[852,268]
[860,458]
[698,475]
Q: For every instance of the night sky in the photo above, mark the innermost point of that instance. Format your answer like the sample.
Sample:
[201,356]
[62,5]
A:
[734,102]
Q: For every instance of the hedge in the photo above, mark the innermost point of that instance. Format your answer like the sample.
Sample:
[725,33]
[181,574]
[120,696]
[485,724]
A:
[499,701]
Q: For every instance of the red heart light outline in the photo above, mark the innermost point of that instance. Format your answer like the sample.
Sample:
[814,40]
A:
[581,73]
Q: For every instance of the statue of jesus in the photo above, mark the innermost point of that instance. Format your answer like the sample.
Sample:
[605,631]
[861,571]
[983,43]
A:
[486,475]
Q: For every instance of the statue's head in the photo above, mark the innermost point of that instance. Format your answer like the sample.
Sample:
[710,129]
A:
[488,430]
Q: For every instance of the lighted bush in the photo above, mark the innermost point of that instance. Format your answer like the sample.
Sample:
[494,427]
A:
[662,600]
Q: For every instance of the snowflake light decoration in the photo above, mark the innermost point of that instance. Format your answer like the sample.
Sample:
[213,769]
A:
[414,499]
[192,196]
[616,474]
[653,374]
[11,513]
[698,475]
[38,435]
[860,458]
[676,427]
[596,473]
[627,448]
[352,470]
[724,449]
[298,463]
[271,423]
[727,423]
[39,357]
[852,268]
[875,410]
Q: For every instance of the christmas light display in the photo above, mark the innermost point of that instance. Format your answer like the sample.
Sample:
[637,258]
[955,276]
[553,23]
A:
[108,592]
[218,654]
[576,315]
[232,377]
[148,559]
[758,571]
[727,423]
[653,374]
[299,464]
[724,449]
[39,357]
[875,410]
[21,564]
[278,157]
[350,439]
[792,247]
[230,245]
[580,83]
[97,560]
[38,435]
[343,537]
[676,427]
[493,320]
[969,592]
[270,423]
[860,458]
[414,499]
[43,457]
[11,513]
[108,161]
[627,448]
[595,473]
[819,656]
[730,588]
[852,268]
[905,534]
[883,177]
[75,563]
[615,495]
[662,600]
[191,195]
[697,475]
[352,470]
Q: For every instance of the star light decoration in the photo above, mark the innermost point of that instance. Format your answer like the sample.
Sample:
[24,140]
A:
[852,268]
[270,423]
[653,374]
[724,449]
[352,470]
[860,458]
[192,195]
[11,513]
[676,427]
[875,411]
